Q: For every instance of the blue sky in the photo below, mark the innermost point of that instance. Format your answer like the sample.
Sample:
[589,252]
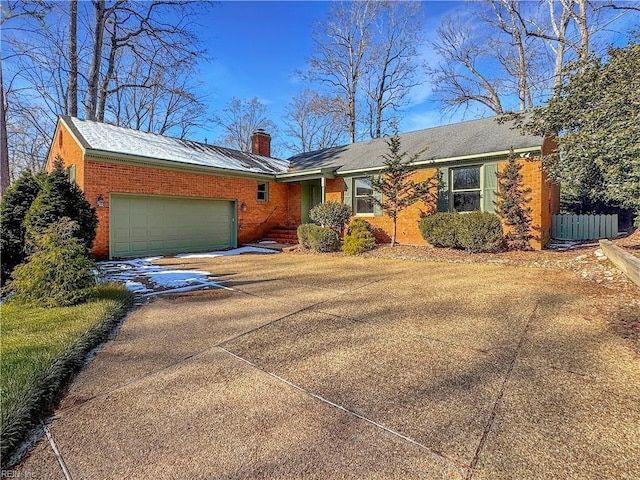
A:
[257,46]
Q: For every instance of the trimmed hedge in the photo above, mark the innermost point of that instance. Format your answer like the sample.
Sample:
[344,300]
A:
[474,232]
[359,238]
[440,229]
[480,232]
[318,239]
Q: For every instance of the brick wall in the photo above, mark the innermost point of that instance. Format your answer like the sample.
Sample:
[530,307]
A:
[71,153]
[104,178]
[545,201]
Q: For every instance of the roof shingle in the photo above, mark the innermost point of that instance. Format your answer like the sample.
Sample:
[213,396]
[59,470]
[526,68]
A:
[474,137]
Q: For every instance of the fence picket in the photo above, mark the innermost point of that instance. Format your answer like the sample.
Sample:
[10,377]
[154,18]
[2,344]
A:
[584,227]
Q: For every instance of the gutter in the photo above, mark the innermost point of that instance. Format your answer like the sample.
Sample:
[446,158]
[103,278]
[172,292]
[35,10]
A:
[327,172]
[135,160]
[440,161]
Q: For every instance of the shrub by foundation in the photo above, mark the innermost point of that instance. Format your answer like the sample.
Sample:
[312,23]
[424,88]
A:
[359,238]
[480,232]
[474,232]
[440,229]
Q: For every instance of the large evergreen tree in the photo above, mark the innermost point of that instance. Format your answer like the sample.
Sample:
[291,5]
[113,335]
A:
[396,189]
[512,204]
[60,198]
[595,115]
[15,204]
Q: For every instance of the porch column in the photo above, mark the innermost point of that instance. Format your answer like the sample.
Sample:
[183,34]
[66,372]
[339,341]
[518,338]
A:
[323,189]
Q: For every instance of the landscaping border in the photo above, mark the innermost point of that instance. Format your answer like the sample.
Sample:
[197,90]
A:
[626,262]
[42,398]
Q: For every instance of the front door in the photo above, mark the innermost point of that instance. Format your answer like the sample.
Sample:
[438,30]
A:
[311,196]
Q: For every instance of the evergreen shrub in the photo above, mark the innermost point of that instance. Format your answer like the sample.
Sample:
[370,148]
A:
[440,229]
[479,232]
[60,198]
[303,234]
[359,238]
[474,231]
[323,240]
[58,273]
[14,206]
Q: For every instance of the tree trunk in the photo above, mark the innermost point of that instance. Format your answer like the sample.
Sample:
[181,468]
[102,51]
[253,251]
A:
[581,20]
[96,61]
[73,58]
[395,228]
[4,145]
[104,85]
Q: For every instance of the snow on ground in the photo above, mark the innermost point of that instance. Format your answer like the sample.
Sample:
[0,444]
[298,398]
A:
[225,253]
[144,278]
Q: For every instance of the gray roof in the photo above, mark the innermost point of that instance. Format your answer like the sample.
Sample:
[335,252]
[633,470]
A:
[474,137]
[124,142]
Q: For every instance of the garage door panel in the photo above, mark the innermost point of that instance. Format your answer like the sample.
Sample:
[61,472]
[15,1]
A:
[143,225]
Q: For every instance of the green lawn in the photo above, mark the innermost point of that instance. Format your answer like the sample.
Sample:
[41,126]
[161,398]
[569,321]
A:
[41,350]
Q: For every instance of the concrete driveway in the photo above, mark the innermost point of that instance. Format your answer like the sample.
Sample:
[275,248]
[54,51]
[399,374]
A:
[332,367]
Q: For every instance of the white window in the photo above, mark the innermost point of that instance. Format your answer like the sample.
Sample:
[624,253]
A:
[263,192]
[362,191]
[465,189]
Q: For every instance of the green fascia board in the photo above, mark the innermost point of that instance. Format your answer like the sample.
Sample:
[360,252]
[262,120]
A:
[306,175]
[452,161]
[101,156]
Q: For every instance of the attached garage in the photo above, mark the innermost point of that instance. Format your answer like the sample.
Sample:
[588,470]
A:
[143,225]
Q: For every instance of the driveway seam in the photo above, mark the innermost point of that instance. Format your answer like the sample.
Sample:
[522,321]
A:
[56,452]
[496,404]
[328,402]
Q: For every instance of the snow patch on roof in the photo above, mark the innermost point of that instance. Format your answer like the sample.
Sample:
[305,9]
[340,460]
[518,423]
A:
[125,141]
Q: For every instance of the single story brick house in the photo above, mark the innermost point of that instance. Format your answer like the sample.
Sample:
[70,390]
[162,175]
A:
[159,195]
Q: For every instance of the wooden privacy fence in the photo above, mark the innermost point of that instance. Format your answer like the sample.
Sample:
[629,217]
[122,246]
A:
[584,227]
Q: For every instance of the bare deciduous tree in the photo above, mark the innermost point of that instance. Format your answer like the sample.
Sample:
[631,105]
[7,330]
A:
[10,11]
[313,122]
[392,73]
[515,44]
[83,59]
[341,45]
[240,119]
[458,78]
[365,52]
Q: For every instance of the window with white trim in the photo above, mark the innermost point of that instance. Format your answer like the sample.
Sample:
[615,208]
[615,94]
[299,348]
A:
[362,191]
[466,189]
[263,192]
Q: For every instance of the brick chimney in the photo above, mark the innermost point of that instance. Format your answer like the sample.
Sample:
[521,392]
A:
[261,143]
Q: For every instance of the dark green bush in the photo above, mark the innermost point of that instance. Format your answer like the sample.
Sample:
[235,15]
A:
[359,238]
[58,273]
[474,232]
[333,215]
[480,232]
[440,229]
[60,198]
[14,207]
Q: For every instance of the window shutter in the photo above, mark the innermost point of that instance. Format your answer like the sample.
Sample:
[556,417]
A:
[443,189]
[489,187]
[377,209]
[348,192]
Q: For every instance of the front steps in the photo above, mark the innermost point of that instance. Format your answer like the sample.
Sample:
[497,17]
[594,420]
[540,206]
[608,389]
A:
[287,235]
